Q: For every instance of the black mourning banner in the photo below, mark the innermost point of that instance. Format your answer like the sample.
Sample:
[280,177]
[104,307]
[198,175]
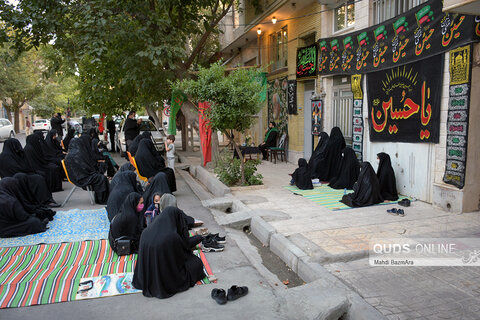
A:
[292,96]
[421,32]
[404,102]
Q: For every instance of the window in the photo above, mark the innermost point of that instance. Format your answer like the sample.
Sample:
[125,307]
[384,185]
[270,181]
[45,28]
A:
[279,49]
[344,16]
[387,9]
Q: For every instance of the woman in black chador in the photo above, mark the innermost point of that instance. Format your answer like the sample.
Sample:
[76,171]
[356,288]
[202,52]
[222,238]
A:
[166,264]
[159,184]
[128,222]
[386,177]
[82,169]
[136,142]
[36,158]
[349,170]
[366,191]
[13,159]
[330,167]
[317,160]
[68,138]
[54,149]
[301,177]
[150,162]
[121,186]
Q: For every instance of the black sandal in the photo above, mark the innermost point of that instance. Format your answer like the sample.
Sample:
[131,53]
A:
[236,292]
[219,296]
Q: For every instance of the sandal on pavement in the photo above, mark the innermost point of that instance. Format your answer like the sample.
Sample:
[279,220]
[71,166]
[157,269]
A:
[236,292]
[393,211]
[219,296]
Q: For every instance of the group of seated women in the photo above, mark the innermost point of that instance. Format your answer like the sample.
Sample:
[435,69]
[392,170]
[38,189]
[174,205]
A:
[157,230]
[336,163]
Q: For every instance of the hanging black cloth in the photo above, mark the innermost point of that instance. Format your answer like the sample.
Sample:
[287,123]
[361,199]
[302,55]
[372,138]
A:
[68,138]
[121,186]
[54,149]
[366,190]
[51,172]
[159,184]
[386,177]
[13,159]
[35,188]
[165,263]
[317,160]
[333,154]
[11,186]
[82,171]
[302,176]
[128,222]
[136,142]
[349,170]
[148,159]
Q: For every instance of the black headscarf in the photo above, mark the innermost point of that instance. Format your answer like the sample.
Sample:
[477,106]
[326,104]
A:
[133,147]
[14,220]
[48,154]
[13,159]
[148,159]
[302,175]
[386,177]
[317,160]
[54,149]
[159,185]
[349,170]
[82,170]
[68,138]
[127,222]
[333,155]
[123,183]
[366,190]
[166,264]
[36,158]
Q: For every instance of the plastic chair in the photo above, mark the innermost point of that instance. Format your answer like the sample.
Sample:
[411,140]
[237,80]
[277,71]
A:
[89,189]
[134,163]
[279,150]
[62,145]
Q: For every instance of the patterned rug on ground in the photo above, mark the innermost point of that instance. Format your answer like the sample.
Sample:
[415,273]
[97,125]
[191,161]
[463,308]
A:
[329,197]
[67,226]
[50,273]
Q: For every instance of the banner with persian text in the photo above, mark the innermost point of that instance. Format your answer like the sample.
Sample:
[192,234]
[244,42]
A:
[307,61]
[421,32]
[404,102]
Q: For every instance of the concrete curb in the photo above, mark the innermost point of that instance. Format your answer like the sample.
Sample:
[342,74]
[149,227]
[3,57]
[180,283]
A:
[213,185]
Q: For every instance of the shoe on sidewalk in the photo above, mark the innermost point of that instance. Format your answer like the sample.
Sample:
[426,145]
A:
[216,237]
[236,292]
[219,296]
[393,211]
[209,245]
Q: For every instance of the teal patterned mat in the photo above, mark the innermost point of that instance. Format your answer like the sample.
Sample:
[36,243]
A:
[67,226]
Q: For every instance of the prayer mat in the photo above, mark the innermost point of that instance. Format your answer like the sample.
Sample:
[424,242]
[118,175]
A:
[67,226]
[50,273]
[329,197]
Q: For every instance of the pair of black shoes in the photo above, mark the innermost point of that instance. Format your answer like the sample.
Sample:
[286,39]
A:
[234,293]
[213,242]
[404,202]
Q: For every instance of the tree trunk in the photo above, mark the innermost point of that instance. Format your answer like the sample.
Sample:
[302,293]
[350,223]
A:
[215,146]
[240,155]
[9,114]
[151,112]
[17,120]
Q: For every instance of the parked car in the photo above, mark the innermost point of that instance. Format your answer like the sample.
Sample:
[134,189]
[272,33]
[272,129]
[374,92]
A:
[158,136]
[41,125]
[6,129]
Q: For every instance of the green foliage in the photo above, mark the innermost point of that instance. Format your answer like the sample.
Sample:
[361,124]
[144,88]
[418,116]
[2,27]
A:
[235,97]
[229,171]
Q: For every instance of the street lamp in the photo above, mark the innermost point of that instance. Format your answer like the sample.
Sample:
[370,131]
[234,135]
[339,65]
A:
[274,20]
[259,31]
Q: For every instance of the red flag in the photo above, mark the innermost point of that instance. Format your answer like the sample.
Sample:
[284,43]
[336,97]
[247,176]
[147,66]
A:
[205,132]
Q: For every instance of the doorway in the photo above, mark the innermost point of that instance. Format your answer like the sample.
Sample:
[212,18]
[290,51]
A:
[309,90]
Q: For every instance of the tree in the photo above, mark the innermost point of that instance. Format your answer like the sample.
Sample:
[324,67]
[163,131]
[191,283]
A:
[234,97]
[126,52]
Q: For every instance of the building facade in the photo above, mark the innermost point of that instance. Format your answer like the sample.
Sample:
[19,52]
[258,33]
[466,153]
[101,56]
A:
[348,58]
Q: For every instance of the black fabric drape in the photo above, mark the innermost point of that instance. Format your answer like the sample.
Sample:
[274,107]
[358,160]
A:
[121,186]
[317,160]
[34,187]
[13,159]
[68,138]
[329,168]
[50,171]
[14,220]
[127,222]
[166,264]
[386,177]
[349,170]
[136,142]
[148,159]
[366,190]
[302,176]
[82,171]
[159,184]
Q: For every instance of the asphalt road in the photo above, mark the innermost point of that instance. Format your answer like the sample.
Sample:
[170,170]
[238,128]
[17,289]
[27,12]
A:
[231,267]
